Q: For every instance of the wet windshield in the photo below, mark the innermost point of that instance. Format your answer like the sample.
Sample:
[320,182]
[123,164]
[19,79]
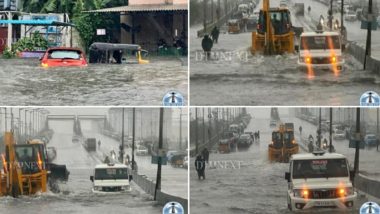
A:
[320,42]
[322,168]
[64,54]
[111,173]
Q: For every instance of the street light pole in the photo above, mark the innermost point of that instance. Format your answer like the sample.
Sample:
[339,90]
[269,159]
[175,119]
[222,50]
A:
[159,162]
[331,117]
[196,131]
[357,139]
[133,138]
[180,129]
[369,29]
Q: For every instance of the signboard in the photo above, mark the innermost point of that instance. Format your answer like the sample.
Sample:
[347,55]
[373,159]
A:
[353,144]
[364,25]
[100,32]
[164,160]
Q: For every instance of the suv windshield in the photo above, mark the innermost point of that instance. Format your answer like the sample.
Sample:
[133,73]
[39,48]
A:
[321,168]
[111,173]
[320,42]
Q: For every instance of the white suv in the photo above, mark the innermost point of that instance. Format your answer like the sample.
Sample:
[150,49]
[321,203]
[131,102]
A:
[111,178]
[320,50]
[318,180]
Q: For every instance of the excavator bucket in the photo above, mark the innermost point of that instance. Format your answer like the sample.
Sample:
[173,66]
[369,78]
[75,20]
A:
[58,172]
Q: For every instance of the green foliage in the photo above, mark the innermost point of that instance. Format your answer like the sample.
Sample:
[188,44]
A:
[8,53]
[35,42]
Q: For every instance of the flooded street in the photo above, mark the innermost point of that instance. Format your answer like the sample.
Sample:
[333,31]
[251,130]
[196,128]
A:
[233,76]
[24,82]
[247,182]
[76,195]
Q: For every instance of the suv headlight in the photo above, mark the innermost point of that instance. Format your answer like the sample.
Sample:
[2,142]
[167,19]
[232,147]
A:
[301,193]
[342,192]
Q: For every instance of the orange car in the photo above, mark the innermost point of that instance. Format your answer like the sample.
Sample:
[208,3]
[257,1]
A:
[63,57]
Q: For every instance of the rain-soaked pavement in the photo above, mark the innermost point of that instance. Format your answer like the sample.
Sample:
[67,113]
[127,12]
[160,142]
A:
[246,182]
[234,76]
[76,195]
[25,82]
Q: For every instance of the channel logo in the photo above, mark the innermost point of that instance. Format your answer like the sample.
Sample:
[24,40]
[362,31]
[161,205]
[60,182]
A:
[173,98]
[173,208]
[370,207]
[370,98]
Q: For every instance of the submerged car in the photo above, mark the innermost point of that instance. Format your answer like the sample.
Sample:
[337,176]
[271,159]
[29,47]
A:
[63,57]
[320,180]
[111,178]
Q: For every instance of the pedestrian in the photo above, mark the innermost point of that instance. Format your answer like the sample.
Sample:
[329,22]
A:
[200,167]
[309,9]
[207,44]
[215,34]
[258,134]
[205,154]
[300,130]
[310,146]
[107,160]
[99,143]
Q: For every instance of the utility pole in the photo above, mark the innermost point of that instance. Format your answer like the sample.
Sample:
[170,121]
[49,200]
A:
[12,122]
[341,17]
[180,129]
[377,124]
[5,116]
[218,11]
[160,139]
[357,141]
[196,131]
[319,131]
[212,11]
[331,117]
[203,126]
[330,14]
[133,138]
[209,125]
[369,29]
[204,15]
[122,138]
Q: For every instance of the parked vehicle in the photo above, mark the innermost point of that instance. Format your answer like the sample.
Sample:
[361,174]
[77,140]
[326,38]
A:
[142,150]
[339,135]
[63,57]
[370,140]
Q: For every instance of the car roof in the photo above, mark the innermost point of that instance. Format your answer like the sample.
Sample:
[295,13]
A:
[324,33]
[107,166]
[310,156]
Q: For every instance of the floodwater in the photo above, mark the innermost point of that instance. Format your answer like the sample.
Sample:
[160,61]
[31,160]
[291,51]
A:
[25,82]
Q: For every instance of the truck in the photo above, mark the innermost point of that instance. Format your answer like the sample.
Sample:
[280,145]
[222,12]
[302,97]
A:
[111,177]
[90,144]
[319,180]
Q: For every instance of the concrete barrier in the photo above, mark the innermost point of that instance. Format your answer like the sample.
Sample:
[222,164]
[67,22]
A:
[149,187]
[368,185]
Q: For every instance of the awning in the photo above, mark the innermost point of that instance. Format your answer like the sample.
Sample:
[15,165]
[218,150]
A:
[35,22]
[142,8]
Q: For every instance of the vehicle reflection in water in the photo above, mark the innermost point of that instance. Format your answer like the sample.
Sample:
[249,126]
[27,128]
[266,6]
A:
[25,82]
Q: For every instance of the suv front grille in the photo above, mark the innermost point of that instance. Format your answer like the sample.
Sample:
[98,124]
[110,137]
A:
[323,193]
